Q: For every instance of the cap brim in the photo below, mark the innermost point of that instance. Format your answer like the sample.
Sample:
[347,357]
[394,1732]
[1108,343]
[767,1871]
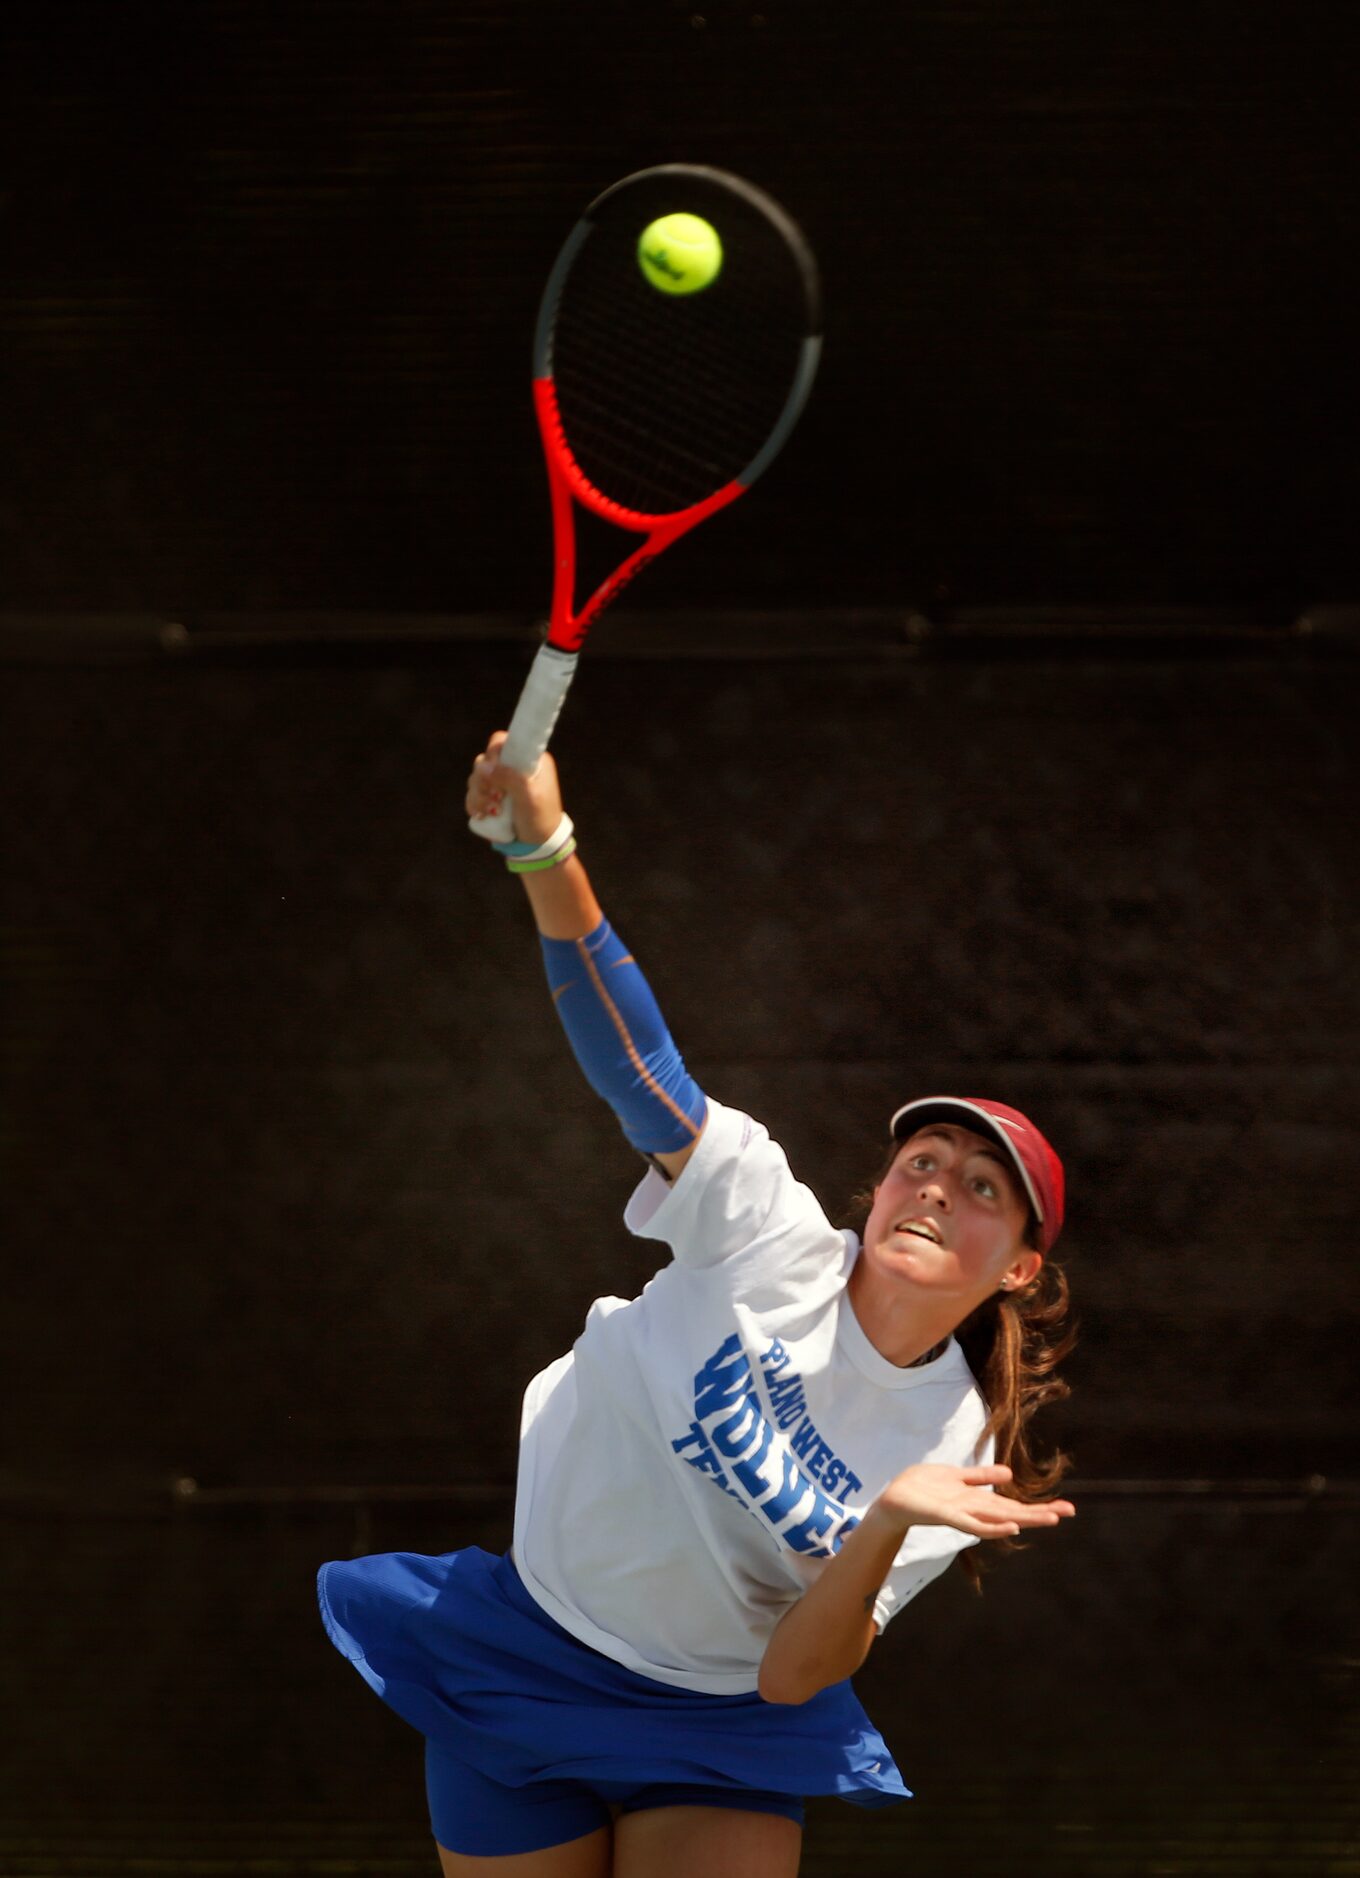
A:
[915,1115]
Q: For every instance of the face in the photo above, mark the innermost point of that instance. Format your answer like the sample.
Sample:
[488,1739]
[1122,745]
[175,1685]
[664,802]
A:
[969,1210]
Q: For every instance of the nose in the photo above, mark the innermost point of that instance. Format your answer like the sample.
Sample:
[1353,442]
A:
[935,1190]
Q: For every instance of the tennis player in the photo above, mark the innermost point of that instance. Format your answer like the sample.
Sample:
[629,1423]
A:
[733,1481]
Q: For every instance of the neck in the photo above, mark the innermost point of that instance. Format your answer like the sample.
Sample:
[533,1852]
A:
[904,1327]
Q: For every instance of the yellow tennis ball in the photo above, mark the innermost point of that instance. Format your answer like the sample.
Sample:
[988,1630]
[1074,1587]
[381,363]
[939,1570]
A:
[680,253]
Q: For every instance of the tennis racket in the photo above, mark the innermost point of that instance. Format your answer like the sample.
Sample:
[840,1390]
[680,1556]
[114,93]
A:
[657,409]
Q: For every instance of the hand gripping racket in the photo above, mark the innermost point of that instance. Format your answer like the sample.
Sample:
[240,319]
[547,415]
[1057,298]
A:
[657,409]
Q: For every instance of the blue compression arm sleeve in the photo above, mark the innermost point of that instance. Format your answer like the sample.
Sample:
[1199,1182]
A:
[621,1040]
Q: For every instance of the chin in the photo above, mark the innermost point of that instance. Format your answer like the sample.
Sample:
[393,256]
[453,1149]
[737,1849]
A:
[897,1260]
[924,1271]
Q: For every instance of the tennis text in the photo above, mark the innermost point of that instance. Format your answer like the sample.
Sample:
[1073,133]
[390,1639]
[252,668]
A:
[794,1481]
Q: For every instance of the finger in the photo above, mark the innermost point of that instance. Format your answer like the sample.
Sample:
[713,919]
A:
[489,759]
[487,775]
[983,1529]
[1019,1514]
[500,774]
[991,1522]
[484,792]
[980,1476]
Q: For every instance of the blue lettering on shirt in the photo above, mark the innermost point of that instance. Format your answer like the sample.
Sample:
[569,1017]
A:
[786,1392]
[705,1460]
[775,1359]
[722,1379]
[748,1471]
[803,1536]
[789,1405]
[818,1458]
[790,1491]
[734,1436]
[843,1531]
[803,1437]
[732,1439]
[788,1401]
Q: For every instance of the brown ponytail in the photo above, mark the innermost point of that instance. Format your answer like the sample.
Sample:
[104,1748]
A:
[1014,1342]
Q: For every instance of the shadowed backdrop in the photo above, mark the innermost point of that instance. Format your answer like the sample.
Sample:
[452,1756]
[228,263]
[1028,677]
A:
[1002,742]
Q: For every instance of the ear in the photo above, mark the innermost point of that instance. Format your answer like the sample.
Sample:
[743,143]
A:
[1025,1270]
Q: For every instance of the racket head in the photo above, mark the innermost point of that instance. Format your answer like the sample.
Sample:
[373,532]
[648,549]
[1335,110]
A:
[663,400]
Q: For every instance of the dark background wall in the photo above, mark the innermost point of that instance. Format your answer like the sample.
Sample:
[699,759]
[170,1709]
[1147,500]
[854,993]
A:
[270,272]
[302,1186]
[297,1086]
[300,1182]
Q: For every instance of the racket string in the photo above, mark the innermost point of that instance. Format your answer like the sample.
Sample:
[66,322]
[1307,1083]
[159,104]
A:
[617,374]
[665,399]
[691,369]
[612,430]
[604,440]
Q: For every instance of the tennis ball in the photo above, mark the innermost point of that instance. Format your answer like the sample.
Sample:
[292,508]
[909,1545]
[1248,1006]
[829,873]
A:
[680,253]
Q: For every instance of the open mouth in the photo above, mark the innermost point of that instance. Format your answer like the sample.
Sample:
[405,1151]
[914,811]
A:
[920,1229]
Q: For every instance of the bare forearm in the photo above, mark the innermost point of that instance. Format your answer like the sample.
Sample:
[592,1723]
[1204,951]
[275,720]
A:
[826,1635]
[563,901]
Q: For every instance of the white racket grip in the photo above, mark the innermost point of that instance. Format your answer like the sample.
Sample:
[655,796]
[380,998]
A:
[531,728]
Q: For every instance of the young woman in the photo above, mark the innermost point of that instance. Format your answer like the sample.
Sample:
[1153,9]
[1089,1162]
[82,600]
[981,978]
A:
[733,1481]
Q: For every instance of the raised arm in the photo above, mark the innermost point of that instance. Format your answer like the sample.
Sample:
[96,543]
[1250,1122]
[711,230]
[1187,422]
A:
[605,1005]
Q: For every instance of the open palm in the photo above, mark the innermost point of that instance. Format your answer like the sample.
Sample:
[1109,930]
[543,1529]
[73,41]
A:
[931,1494]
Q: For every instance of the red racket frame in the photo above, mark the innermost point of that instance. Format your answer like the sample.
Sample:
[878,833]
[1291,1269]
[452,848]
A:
[567,482]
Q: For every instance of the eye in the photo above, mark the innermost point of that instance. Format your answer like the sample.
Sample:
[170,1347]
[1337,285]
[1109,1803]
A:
[981,1180]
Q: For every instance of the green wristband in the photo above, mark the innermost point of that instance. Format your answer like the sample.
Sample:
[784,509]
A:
[539,867]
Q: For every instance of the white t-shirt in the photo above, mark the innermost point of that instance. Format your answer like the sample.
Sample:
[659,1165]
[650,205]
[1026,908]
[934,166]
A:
[689,1467]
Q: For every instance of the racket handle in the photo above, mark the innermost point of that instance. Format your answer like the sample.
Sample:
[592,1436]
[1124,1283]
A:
[540,702]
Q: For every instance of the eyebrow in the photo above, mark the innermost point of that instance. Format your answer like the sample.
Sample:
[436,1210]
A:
[945,1133]
[951,1135]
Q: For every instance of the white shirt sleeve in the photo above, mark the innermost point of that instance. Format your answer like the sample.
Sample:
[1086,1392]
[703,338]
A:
[925,1554]
[915,1567]
[736,1197]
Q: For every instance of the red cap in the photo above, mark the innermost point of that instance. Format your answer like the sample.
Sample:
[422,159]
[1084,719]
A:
[1040,1170]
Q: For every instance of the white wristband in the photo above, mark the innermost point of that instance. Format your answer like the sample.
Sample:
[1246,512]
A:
[556,841]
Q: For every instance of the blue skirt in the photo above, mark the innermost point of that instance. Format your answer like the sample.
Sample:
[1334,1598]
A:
[460,1650]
